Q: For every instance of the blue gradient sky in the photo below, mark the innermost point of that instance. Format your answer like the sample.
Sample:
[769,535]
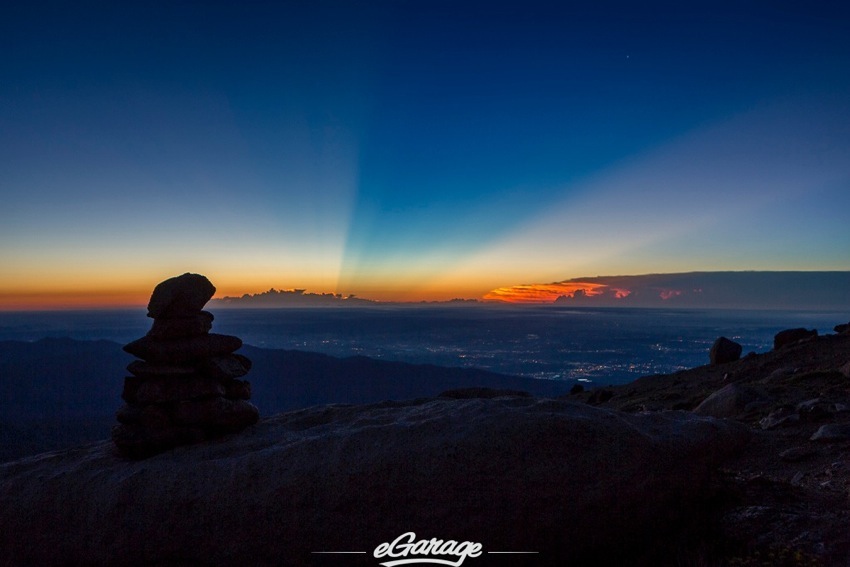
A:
[416,150]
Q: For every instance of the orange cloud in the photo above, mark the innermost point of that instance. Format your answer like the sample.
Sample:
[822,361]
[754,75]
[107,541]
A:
[669,293]
[547,293]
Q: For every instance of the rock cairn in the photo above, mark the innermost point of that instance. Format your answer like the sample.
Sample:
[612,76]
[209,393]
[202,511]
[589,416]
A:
[186,388]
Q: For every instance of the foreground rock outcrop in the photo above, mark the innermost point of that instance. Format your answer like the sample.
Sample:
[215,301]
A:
[187,386]
[792,484]
[572,482]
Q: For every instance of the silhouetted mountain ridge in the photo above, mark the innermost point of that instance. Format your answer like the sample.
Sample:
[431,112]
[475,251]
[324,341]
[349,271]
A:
[58,391]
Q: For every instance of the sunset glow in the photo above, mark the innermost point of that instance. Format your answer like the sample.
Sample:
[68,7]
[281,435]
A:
[545,293]
[54,300]
[405,151]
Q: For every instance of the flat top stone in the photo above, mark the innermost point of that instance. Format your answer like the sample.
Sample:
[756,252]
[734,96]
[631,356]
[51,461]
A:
[180,296]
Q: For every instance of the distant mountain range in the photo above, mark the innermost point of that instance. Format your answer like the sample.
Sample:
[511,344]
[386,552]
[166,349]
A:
[303,298]
[289,298]
[60,392]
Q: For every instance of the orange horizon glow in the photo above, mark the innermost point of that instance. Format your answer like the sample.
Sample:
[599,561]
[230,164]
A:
[130,294]
[137,298]
[547,293]
[45,300]
[62,301]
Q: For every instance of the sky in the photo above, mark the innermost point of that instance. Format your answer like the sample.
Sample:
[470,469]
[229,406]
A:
[415,150]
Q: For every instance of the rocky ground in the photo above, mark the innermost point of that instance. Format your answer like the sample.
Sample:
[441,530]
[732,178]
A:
[575,484]
[743,463]
[789,490]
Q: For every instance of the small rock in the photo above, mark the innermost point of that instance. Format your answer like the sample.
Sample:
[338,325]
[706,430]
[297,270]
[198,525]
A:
[845,370]
[791,336]
[832,432]
[724,350]
[576,389]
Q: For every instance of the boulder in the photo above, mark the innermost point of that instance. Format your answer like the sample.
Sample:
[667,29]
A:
[577,484]
[180,296]
[730,401]
[841,329]
[724,350]
[791,336]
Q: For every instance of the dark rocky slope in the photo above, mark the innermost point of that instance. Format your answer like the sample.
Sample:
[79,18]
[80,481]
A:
[580,485]
[742,463]
[792,484]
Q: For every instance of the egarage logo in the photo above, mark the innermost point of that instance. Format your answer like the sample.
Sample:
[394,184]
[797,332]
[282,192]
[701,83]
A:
[406,549]
[425,551]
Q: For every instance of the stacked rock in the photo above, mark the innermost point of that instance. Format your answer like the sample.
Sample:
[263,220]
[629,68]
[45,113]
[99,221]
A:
[186,387]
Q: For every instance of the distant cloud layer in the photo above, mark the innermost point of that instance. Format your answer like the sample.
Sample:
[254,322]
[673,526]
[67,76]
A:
[745,290]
